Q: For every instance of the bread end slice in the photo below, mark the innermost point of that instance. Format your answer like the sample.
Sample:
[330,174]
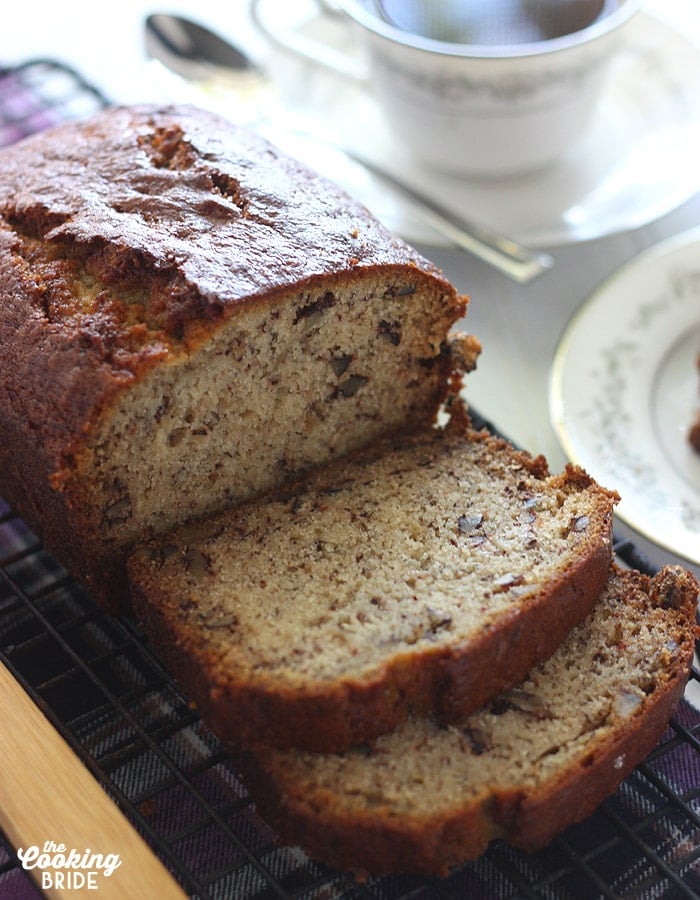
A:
[530,763]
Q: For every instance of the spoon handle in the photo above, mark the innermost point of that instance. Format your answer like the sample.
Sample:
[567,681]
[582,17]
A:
[520,263]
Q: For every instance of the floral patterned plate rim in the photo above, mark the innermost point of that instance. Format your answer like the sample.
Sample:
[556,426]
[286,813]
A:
[624,390]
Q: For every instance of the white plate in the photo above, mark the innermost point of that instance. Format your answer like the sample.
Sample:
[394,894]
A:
[624,391]
[637,161]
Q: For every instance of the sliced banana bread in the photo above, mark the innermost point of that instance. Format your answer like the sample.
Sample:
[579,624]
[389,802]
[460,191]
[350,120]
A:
[187,318]
[527,765]
[426,574]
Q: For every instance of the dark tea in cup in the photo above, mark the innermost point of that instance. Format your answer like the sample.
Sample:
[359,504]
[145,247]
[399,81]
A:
[491,22]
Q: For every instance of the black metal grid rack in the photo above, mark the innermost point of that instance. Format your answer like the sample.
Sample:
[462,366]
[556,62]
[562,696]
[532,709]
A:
[96,680]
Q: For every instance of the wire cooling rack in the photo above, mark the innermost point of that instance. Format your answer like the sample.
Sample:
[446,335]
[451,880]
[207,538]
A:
[98,683]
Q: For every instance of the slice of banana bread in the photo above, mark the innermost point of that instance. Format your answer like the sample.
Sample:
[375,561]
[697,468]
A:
[426,574]
[523,768]
[187,318]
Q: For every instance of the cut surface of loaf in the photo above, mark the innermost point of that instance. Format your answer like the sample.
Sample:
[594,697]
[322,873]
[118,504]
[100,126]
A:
[187,318]
[527,765]
[426,573]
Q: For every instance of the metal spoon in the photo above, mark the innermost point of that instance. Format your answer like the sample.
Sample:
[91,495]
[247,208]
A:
[199,56]
[181,44]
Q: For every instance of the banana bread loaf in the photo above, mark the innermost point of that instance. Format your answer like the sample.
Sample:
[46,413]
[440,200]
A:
[425,574]
[187,318]
[523,768]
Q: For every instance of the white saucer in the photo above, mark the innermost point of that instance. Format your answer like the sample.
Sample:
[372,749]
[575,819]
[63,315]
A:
[637,161]
[624,391]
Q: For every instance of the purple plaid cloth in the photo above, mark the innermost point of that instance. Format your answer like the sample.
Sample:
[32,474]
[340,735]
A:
[41,94]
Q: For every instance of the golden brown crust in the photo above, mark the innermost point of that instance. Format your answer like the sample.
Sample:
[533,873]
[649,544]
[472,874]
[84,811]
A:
[371,843]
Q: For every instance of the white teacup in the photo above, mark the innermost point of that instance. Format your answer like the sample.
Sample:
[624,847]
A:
[483,110]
